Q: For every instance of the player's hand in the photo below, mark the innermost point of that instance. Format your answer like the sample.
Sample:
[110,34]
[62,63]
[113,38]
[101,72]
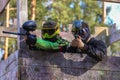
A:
[77,43]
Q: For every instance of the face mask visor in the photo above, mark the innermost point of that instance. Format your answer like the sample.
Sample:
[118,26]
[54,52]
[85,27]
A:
[50,33]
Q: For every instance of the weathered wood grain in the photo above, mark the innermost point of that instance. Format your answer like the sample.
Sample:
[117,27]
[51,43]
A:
[39,65]
[3,4]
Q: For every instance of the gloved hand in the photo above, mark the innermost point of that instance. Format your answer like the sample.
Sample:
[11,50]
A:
[31,39]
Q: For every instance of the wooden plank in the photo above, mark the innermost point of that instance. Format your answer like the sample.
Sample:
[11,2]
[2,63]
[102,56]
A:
[114,34]
[67,60]
[46,65]
[99,29]
[113,1]
[3,4]
[102,36]
[114,37]
[9,65]
[102,33]
[51,73]
[22,12]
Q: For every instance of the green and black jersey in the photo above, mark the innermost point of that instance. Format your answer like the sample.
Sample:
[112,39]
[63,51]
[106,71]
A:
[59,45]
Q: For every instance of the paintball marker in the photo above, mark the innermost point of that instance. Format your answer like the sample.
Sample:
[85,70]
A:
[27,26]
[76,35]
[6,32]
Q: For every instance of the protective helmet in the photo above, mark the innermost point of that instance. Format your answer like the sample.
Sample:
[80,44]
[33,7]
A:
[29,25]
[50,30]
[81,28]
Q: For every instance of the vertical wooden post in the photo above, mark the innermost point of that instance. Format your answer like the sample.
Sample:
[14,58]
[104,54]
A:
[7,39]
[104,12]
[22,16]
[33,4]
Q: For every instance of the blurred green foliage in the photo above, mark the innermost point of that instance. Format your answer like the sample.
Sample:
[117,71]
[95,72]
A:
[115,48]
[62,12]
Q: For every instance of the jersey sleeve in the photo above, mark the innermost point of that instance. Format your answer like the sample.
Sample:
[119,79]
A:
[98,52]
[46,45]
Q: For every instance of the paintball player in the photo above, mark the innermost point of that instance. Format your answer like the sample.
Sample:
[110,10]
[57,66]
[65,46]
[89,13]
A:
[87,45]
[50,41]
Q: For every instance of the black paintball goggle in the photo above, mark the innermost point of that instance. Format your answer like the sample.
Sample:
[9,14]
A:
[78,31]
[80,28]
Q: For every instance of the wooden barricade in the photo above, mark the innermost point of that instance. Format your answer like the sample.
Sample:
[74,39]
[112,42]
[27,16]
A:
[42,65]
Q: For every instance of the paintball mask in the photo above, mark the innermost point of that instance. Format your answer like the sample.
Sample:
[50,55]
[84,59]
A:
[80,28]
[49,30]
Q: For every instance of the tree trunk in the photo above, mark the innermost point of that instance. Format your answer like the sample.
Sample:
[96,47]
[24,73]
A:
[104,12]
[33,5]
[7,39]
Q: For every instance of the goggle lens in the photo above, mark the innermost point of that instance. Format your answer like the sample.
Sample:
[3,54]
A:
[48,31]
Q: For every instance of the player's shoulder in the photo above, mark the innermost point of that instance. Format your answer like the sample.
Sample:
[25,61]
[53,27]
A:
[96,41]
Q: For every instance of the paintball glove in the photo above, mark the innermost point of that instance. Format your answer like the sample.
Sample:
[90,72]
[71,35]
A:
[31,39]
